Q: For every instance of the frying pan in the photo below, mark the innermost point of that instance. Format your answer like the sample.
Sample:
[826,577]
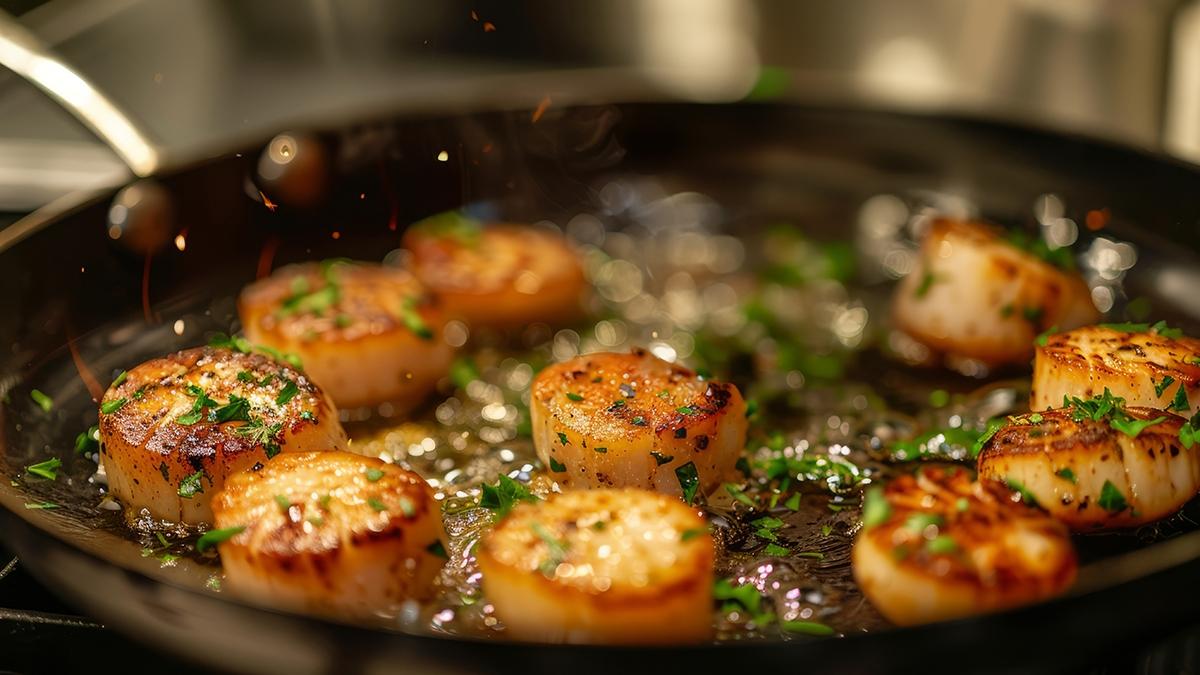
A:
[79,304]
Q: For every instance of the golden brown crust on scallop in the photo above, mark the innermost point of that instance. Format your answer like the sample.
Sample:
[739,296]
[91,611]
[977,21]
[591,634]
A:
[1066,465]
[632,420]
[332,532]
[589,565]
[951,546]
[975,295]
[499,274]
[1133,365]
[368,334]
[155,440]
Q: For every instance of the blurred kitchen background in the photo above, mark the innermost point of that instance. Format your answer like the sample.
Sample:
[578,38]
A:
[96,90]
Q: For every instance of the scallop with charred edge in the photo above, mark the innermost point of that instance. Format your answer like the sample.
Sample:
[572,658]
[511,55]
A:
[330,533]
[974,295]
[601,567]
[937,545]
[1145,368]
[634,420]
[499,275]
[1090,475]
[175,428]
[367,334]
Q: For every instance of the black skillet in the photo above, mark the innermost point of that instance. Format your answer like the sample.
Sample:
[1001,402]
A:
[73,295]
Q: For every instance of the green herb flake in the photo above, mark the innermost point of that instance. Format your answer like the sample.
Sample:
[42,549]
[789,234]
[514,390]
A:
[1161,385]
[110,407]
[876,508]
[939,398]
[247,377]
[601,450]
[43,401]
[918,522]
[1189,432]
[738,495]
[1043,338]
[1111,499]
[814,555]
[689,480]
[556,466]
[289,391]
[686,410]
[1019,487]
[692,533]
[574,397]
[942,544]
[928,278]
[214,537]
[776,550]
[502,497]
[47,469]
[1180,403]
[413,321]
[191,486]
[660,459]
[962,504]
[237,410]
[793,502]
[88,441]
[41,506]
[407,507]
[1067,474]
[437,549]
[562,438]
[814,628]
[374,503]
[283,502]
[639,421]
[374,474]
[556,549]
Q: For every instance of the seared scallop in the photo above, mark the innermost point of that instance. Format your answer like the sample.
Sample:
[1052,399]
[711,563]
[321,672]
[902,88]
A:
[937,545]
[1114,468]
[330,533]
[601,567]
[1138,363]
[174,429]
[367,334]
[499,275]
[974,295]
[634,420]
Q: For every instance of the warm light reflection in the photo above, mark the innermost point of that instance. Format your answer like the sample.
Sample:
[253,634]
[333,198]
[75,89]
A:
[23,53]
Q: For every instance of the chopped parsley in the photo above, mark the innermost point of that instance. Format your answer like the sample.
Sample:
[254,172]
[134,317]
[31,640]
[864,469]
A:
[601,450]
[1159,327]
[502,497]
[556,466]
[994,425]
[556,549]
[807,628]
[776,550]
[214,537]
[406,506]
[689,480]
[283,502]
[110,407]
[1180,403]
[258,432]
[1112,408]
[43,401]
[413,321]
[1161,386]
[119,379]
[927,280]
[942,544]
[374,503]
[639,421]
[562,438]
[660,459]
[1044,337]
[88,441]
[1111,499]
[191,486]
[41,505]
[374,474]
[237,410]
[47,469]
[1067,474]
[1019,487]
[247,377]
[198,406]
[289,391]
[793,502]
[1189,432]
[573,396]
[739,495]
[876,508]
[437,549]
[463,371]
[692,533]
